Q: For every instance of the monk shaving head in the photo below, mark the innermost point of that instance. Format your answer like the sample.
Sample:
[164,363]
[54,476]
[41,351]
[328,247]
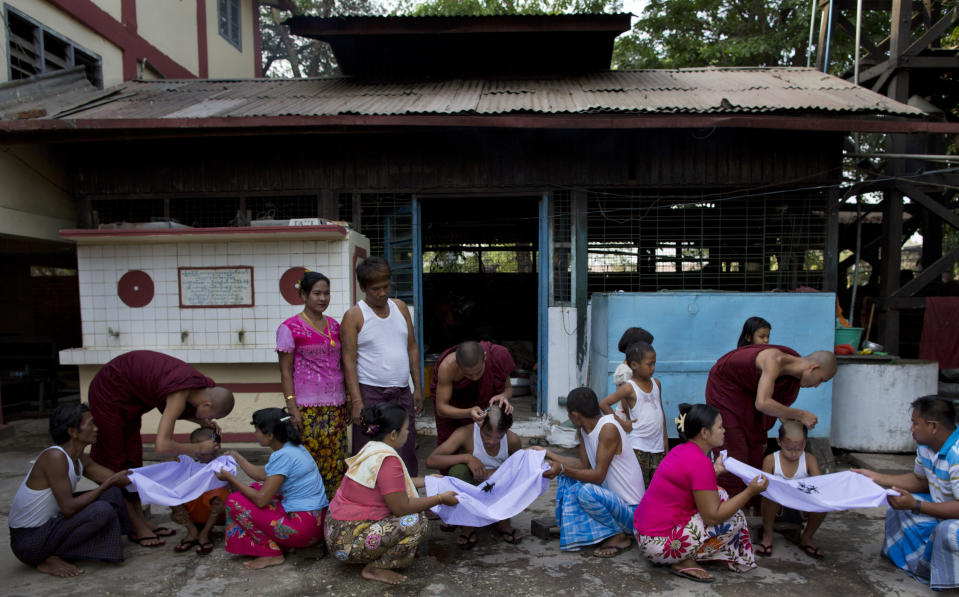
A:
[471,360]
[202,434]
[582,405]
[211,403]
[818,367]
[792,440]
[495,426]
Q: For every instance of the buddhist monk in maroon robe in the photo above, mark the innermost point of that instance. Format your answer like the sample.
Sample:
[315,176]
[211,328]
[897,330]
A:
[468,378]
[134,384]
[754,385]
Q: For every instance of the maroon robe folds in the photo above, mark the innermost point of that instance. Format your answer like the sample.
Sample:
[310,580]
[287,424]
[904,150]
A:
[123,391]
[731,388]
[468,393]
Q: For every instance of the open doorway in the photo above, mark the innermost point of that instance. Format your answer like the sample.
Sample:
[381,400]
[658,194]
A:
[480,280]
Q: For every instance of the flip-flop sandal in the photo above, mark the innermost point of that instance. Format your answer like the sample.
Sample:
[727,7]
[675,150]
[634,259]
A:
[812,551]
[163,532]
[140,541]
[511,536]
[616,551]
[763,550]
[185,545]
[470,541]
[684,573]
[204,549]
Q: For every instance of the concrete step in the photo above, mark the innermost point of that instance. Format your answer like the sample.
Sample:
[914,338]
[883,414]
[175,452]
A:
[882,463]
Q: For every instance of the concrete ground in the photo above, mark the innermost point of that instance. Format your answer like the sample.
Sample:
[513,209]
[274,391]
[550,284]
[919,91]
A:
[851,540]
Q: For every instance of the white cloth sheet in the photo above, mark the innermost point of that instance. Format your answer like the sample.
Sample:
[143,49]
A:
[826,493]
[514,486]
[178,482]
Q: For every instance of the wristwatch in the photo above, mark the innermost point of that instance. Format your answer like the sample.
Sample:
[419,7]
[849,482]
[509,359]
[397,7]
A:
[917,510]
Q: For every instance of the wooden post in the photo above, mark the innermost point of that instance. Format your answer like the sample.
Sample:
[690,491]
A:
[830,269]
[580,270]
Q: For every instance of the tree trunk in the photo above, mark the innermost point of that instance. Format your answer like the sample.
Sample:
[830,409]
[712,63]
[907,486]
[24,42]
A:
[288,43]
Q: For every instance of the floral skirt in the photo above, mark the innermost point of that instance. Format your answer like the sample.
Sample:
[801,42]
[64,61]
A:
[252,531]
[324,437]
[387,543]
[727,542]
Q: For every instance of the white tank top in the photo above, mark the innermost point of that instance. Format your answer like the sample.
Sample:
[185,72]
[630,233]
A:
[647,417]
[490,462]
[382,359]
[624,477]
[34,507]
[801,472]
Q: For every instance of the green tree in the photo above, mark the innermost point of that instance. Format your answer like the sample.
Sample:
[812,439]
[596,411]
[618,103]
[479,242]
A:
[505,7]
[286,55]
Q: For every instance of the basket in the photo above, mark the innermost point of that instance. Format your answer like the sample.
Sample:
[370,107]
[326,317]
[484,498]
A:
[848,336]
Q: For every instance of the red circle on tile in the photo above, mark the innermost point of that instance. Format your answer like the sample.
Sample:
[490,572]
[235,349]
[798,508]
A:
[288,282]
[135,289]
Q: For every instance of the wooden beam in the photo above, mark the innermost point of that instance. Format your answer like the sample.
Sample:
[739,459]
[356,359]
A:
[898,303]
[830,268]
[871,49]
[890,265]
[913,192]
[928,274]
[933,33]
[580,269]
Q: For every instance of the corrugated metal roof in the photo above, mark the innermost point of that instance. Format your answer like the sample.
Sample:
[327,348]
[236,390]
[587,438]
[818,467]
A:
[690,91]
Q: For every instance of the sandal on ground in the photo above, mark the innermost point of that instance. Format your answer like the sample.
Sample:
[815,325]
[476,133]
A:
[685,573]
[467,541]
[204,549]
[616,550]
[164,532]
[140,541]
[185,545]
[511,536]
[763,550]
[812,551]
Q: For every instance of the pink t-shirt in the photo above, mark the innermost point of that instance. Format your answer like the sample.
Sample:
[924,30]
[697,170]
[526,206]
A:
[317,376]
[355,502]
[668,502]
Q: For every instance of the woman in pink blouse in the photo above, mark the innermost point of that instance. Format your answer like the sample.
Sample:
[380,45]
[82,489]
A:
[308,345]
[684,517]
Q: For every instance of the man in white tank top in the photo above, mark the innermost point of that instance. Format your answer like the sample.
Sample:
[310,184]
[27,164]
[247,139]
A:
[791,462]
[380,355]
[598,491]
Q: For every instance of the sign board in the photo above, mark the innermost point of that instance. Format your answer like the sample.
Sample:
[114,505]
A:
[304,221]
[204,287]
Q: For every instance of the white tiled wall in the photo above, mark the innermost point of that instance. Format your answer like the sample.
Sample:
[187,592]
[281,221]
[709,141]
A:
[111,328]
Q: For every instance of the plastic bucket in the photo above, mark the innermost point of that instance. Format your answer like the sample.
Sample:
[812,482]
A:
[848,336]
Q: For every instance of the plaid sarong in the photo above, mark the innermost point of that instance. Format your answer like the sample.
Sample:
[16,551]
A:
[588,513]
[926,547]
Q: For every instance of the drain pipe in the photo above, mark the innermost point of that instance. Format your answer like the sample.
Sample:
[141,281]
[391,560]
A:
[812,27]
[825,62]
[855,268]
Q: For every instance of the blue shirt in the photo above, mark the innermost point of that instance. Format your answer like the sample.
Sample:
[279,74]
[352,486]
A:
[940,468]
[302,488]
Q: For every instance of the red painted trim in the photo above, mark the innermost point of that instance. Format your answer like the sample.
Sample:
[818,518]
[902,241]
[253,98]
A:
[358,253]
[257,41]
[184,438]
[201,43]
[134,47]
[179,285]
[187,232]
[254,388]
[272,124]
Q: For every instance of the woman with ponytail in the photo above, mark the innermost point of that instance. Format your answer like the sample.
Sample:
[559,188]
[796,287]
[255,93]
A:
[287,504]
[684,517]
[376,517]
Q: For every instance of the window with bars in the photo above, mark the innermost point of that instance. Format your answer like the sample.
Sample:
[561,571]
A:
[228,16]
[33,49]
[730,241]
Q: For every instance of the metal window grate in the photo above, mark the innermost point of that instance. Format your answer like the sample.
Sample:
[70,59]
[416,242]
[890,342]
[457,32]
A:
[560,208]
[649,242]
[33,49]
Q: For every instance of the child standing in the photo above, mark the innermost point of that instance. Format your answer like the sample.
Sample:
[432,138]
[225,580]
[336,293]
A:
[206,510]
[641,398]
[755,331]
[790,462]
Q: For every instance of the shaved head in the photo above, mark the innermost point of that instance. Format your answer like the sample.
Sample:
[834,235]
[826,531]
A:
[222,400]
[794,430]
[469,354]
[826,360]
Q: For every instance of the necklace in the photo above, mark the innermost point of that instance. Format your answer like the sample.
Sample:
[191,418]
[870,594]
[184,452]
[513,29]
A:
[326,329]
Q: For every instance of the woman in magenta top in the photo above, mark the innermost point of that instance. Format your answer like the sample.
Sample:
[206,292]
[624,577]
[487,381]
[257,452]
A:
[684,517]
[308,345]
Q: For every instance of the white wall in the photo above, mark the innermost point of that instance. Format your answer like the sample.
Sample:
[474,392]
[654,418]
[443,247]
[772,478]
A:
[563,374]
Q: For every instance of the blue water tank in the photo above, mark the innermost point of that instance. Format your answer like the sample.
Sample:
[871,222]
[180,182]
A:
[692,329]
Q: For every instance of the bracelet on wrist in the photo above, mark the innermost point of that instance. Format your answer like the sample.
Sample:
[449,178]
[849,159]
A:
[562,468]
[291,397]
